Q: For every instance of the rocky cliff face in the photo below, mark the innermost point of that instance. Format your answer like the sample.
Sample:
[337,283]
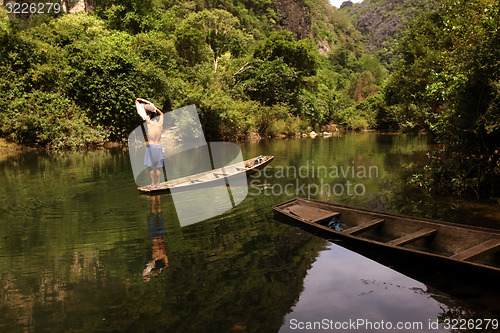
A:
[315,19]
[380,23]
[77,6]
[380,20]
[383,22]
[293,16]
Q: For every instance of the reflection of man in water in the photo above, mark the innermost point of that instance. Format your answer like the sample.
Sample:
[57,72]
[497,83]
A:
[153,158]
[156,229]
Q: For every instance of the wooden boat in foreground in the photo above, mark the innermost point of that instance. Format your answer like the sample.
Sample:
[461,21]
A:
[443,241]
[208,178]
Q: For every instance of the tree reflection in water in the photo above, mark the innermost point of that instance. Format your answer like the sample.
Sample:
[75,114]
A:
[74,245]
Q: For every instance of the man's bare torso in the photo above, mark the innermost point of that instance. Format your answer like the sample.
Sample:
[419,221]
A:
[155,127]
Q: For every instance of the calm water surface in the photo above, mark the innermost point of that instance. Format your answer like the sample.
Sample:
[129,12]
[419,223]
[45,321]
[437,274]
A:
[78,246]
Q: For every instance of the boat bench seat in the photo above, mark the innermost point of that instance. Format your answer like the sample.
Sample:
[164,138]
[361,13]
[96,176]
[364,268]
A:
[312,214]
[363,227]
[475,251]
[422,233]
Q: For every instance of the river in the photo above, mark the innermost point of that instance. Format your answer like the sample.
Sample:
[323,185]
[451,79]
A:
[78,249]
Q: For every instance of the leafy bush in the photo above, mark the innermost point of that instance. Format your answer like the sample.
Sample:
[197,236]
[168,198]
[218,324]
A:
[107,76]
[300,55]
[449,76]
[271,82]
[265,116]
[313,108]
[226,58]
[225,117]
[128,15]
[49,119]
[289,126]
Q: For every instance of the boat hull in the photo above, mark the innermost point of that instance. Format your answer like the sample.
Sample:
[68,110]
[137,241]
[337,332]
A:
[462,246]
[210,178]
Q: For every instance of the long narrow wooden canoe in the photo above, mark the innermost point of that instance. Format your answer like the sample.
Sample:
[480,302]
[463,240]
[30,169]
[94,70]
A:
[466,246]
[206,179]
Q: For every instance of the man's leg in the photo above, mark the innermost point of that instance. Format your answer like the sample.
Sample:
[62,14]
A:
[152,176]
[158,176]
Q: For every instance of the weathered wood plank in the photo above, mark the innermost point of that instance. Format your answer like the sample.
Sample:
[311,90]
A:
[477,250]
[422,233]
[311,214]
[364,226]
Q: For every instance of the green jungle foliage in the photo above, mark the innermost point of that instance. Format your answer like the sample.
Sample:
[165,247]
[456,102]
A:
[71,80]
[448,82]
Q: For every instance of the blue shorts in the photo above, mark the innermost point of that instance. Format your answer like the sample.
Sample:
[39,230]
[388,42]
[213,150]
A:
[154,156]
[156,225]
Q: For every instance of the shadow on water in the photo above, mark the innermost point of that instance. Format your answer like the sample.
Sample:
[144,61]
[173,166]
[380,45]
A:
[81,250]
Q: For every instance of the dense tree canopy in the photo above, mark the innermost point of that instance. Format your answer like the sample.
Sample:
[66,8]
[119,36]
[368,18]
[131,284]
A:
[228,58]
[246,73]
[448,82]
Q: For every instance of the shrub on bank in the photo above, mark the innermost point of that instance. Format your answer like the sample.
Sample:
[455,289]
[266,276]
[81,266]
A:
[98,64]
[49,119]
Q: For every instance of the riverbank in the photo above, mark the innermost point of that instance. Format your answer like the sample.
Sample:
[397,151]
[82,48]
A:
[7,147]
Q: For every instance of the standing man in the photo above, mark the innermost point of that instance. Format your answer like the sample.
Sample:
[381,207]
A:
[153,158]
